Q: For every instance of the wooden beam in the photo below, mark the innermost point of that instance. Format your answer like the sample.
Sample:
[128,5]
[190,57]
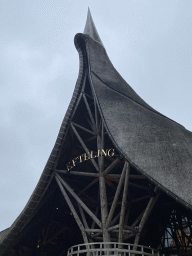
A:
[113,227]
[134,230]
[116,197]
[89,198]
[90,139]
[140,198]
[127,236]
[96,213]
[110,184]
[115,219]
[88,174]
[137,220]
[96,234]
[111,166]
[89,112]
[117,176]
[138,186]
[102,145]
[137,177]
[76,217]
[89,96]
[84,80]
[83,217]
[85,148]
[96,115]
[102,186]
[124,202]
[101,239]
[88,186]
[146,215]
[88,211]
[93,230]
[83,128]
[76,106]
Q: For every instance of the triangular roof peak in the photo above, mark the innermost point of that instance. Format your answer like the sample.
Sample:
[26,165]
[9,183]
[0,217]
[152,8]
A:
[90,28]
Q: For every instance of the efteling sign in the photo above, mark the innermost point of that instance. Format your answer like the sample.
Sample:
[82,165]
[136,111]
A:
[92,154]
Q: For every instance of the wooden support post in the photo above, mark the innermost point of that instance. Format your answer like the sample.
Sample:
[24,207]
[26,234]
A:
[76,217]
[83,217]
[89,212]
[111,166]
[110,216]
[134,230]
[104,210]
[89,231]
[113,227]
[124,201]
[87,174]
[84,146]
[96,114]
[137,220]
[146,216]
[76,106]
[96,212]
[93,230]
[102,187]
[90,113]
[115,219]
[83,128]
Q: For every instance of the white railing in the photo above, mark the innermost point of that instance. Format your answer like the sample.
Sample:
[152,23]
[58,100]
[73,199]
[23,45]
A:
[110,249]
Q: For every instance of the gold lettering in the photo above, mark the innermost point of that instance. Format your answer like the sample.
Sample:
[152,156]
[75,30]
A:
[113,152]
[80,158]
[90,155]
[68,166]
[74,161]
[86,157]
[103,152]
[93,156]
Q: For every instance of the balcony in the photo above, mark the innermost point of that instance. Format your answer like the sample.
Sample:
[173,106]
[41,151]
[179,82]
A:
[110,249]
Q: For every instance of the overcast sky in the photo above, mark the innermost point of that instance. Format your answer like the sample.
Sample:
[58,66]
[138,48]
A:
[149,43]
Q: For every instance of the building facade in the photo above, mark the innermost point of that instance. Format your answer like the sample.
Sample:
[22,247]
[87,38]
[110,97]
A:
[118,180]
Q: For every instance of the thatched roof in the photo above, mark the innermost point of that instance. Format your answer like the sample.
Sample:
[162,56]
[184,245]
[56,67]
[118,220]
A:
[157,146]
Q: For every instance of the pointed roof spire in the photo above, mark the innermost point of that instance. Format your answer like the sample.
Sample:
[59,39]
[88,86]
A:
[90,28]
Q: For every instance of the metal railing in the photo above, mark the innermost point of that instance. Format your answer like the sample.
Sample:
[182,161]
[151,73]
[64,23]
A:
[110,249]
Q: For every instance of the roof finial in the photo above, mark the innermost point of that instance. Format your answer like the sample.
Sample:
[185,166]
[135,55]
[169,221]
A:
[90,28]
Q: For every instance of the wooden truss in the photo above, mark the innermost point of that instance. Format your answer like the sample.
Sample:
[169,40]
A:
[104,216]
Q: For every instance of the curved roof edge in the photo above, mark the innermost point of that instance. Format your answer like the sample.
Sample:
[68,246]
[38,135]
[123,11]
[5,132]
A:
[8,236]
